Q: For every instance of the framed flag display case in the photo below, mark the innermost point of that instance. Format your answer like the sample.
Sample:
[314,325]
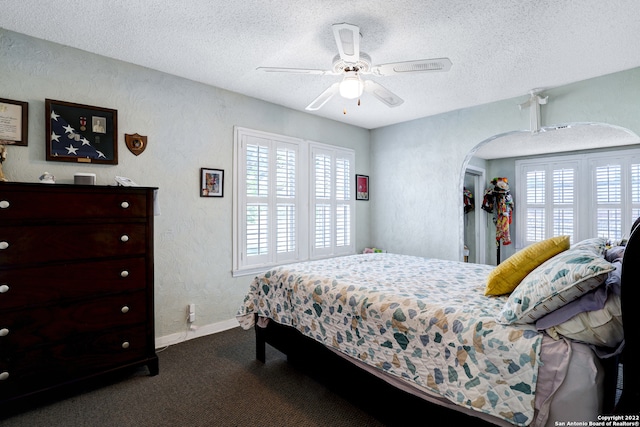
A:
[81,133]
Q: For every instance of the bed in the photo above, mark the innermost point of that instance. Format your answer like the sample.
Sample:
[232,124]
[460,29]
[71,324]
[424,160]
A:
[435,329]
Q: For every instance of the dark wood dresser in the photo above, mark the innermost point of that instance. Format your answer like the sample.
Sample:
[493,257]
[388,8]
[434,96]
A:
[76,285]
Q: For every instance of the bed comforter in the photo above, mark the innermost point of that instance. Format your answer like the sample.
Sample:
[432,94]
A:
[426,321]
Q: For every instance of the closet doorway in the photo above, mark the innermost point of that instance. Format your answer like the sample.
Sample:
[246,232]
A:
[474,229]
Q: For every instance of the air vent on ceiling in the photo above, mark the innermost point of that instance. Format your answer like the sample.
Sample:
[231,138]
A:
[424,66]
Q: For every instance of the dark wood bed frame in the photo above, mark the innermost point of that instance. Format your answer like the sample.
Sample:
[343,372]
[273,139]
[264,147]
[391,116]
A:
[291,342]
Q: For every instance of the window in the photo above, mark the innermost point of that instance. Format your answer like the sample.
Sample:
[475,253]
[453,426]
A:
[332,201]
[549,202]
[586,195]
[293,200]
[617,202]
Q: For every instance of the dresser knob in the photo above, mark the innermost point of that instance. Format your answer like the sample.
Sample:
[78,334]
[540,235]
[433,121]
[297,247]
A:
[124,345]
[4,332]
[124,309]
[4,376]
[124,273]
[124,238]
[4,204]
[4,289]
[4,245]
[124,205]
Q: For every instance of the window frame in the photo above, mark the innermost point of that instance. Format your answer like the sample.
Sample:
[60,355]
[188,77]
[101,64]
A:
[304,185]
[585,187]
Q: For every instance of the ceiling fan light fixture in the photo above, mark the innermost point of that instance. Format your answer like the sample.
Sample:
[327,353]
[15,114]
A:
[351,86]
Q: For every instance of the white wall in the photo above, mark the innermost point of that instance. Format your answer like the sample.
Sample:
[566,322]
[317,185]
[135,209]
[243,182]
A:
[189,125]
[418,166]
[415,168]
[417,192]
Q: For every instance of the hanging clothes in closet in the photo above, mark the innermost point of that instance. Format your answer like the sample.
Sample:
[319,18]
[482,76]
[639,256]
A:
[468,200]
[498,200]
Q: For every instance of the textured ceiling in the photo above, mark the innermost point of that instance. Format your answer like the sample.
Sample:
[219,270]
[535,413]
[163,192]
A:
[500,49]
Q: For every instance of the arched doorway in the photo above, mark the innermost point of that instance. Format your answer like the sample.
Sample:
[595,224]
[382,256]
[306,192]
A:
[561,138]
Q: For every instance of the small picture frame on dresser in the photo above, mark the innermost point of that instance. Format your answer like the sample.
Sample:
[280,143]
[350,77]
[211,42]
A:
[211,182]
[81,133]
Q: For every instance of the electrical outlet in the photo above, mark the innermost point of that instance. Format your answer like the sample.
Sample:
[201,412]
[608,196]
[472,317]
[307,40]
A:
[191,309]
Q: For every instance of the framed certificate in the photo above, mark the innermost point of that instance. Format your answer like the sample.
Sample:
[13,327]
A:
[14,122]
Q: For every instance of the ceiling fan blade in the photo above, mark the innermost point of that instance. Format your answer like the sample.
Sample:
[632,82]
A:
[295,70]
[417,66]
[322,99]
[382,93]
[348,40]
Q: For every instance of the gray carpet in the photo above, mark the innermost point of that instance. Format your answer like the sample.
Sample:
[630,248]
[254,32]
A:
[209,381]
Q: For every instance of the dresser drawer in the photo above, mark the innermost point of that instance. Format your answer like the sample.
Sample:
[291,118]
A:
[25,329]
[24,245]
[22,288]
[44,366]
[67,205]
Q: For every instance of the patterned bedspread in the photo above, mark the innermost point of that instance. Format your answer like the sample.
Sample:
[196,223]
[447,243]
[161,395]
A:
[426,321]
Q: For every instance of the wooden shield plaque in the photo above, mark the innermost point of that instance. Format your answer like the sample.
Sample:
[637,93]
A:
[135,143]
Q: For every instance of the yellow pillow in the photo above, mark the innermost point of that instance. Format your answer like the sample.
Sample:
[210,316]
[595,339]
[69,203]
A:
[509,273]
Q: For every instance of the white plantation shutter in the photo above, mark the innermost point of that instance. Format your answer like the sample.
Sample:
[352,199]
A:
[322,206]
[332,201]
[267,227]
[257,216]
[549,196]
[275,219]
[564,198]
[608,180]
[343,202]
[286,200]
[616,194]
[583,196]
[322,226]
[635,190]
[257,220]
[535,204]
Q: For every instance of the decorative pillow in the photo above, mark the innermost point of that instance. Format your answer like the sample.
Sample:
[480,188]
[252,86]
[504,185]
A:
[601,327]
[596,244]
[614,253]
[591,301]
[508,274]
[553,284]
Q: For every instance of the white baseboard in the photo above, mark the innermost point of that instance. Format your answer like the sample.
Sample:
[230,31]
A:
[195,332]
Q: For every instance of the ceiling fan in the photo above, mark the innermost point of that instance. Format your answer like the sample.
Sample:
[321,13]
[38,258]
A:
[351,63]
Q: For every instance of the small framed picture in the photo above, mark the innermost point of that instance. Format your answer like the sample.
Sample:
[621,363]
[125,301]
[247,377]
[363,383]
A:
[14,122]
[362,187]
[81,133]
[211,182]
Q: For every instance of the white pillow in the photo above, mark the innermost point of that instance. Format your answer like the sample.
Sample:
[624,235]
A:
[600,327]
